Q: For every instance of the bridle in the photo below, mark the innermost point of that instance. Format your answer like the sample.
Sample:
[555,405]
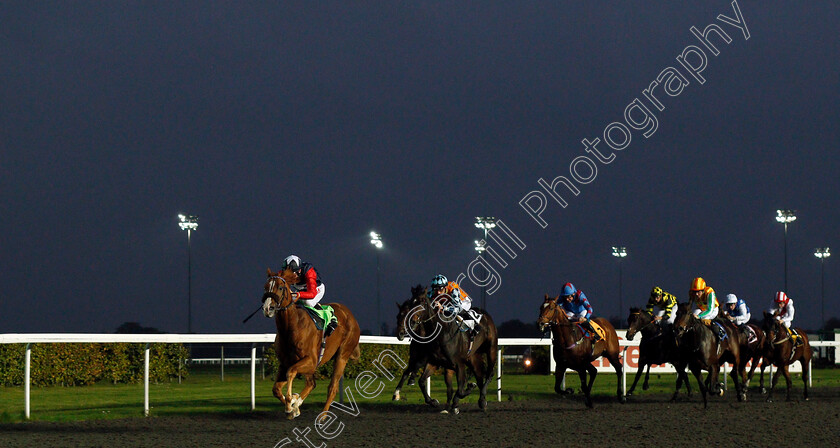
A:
[274,285]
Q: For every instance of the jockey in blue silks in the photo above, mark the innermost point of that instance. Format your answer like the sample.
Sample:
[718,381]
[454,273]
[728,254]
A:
[577,308]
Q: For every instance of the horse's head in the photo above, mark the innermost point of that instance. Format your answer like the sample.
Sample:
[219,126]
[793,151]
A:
[277,295]
[404,314]
[550,313]
[684,320]
[773,328]
[637,320]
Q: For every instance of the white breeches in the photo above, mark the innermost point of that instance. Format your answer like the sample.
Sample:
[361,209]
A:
[320,295]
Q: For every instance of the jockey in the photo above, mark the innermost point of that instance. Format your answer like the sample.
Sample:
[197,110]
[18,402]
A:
[308,287]
[736,310]
[704,298]
[667,304]
[784,312]
[459,304]
[577,308]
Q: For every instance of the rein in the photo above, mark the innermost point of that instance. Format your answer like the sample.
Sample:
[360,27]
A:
[272,288]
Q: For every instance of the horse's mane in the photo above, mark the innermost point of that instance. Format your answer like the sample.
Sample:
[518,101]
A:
[634,310]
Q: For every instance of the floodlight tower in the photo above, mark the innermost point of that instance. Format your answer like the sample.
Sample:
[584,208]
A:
[189,223]
[822,253]
[620,252]
[376,240]
[785,217]
[485,223]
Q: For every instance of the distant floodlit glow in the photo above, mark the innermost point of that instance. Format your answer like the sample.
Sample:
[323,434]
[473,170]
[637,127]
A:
[619,251]
[785,216]
[485,222]
[479,246]
[822,252]
[188,222]
[376,240]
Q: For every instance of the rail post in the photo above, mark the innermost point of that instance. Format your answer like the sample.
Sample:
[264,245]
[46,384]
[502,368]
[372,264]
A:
[222,362]
[146,381]
[253,374]
[499,374]
[624,371]
[26,379]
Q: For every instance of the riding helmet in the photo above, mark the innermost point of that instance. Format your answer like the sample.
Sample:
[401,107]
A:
[568,290]
[292,262]
[439,281]
[781,297]
[656,291]
[698,284]
[731,298]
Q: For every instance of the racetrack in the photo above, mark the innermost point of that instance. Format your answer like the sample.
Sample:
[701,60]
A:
[645,420]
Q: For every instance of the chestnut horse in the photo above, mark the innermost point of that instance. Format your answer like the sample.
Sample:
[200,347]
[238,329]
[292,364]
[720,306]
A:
[298,342]
[782,354]
[573,350]
[420,353]
[658,346]
[700,346]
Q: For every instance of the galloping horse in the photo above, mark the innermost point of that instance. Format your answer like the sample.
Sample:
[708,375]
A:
[420,353]
[573,350]
[755,352]
[456,352]
[697,343]
[782,354]
[658,346]
[298,342]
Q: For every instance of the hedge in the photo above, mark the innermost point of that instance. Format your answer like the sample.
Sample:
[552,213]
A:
[84,364]
[369,353]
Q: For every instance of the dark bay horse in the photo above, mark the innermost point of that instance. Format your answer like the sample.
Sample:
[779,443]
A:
[782,354]
[700,347]
[573,350]
[658,346]
[753,351]
[448,341]
[298,343]
[413,321]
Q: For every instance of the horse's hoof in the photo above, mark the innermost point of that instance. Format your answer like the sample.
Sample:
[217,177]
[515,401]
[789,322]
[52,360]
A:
[290,415]
[396,397]
[645,386]
[769,400]
[411,382]
[622,400]
[629,394]
[720,393]
[433,402]
[456,411]
[763,390]
[589,405]
[471,386]
[482,403]
[445,411]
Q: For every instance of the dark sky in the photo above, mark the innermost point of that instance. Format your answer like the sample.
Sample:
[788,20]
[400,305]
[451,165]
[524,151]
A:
[300,128]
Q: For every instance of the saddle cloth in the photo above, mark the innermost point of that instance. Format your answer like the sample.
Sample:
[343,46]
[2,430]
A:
[319,315]
[601,332]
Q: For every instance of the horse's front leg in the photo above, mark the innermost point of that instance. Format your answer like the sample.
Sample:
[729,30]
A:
[639,372]
[461,375]
[304,365]
[427,372]
[450,391]
[698,375]
[559,376]
[414,363]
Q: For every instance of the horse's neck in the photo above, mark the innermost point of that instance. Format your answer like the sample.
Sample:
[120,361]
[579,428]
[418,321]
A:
[565,333]
[289,318]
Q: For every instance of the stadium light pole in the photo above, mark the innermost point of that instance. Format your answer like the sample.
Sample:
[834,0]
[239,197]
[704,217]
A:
[785,217]
[822,253]
[620,252]
[376,240]
[485,223]
[189,223]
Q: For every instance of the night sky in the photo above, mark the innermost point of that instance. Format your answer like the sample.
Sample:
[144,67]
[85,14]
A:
[299,128]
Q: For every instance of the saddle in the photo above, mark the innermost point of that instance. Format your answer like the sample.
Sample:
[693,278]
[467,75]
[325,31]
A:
[320,314]
[601,333]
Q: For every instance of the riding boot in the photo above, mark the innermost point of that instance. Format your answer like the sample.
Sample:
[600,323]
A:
[474,331]
[330,327]
[595,336]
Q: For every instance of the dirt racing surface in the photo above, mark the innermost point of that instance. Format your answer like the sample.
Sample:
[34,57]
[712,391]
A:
[644,421]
